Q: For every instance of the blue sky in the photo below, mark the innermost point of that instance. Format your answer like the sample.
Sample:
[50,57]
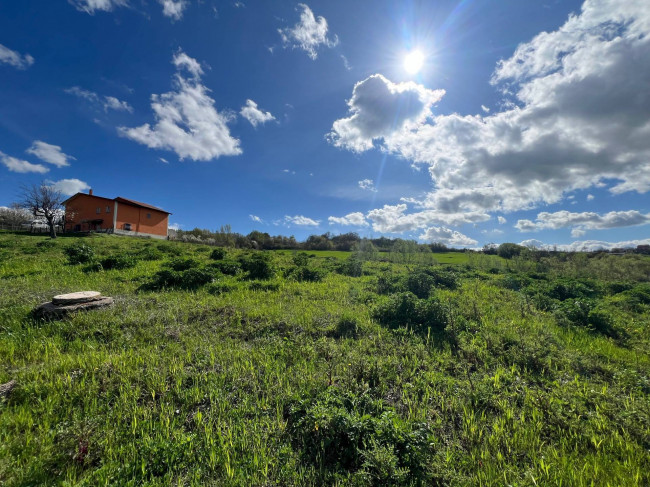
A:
[526,122]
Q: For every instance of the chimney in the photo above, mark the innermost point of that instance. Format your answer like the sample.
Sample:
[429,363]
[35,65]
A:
[90,191]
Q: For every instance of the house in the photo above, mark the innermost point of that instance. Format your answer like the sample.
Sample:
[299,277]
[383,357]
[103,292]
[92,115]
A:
[87,212]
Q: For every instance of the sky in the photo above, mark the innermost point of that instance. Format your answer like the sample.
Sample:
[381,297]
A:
[462,122]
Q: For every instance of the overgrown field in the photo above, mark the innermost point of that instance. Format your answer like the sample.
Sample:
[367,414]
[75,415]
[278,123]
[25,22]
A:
[229,367]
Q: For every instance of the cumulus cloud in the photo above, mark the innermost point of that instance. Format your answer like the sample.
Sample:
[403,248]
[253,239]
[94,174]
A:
[255,218]
[501,220]
[368,185]
[585,245]
[309,34]
[356,219]
[583,221]
[50,153]
[447,236]
[254,115]
[173,8]
[91,6]
[69,187]
[394,219]
[187,121]
[21,166]
[14,58]
[379,108]
[590,197]
[580,117]
[106,102]
[301,221]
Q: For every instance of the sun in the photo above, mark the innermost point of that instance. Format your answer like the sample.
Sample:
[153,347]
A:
[413,62]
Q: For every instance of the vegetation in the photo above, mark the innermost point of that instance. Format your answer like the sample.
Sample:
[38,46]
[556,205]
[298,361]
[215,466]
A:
[241,367]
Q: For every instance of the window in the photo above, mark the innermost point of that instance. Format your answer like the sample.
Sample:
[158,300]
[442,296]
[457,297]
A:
[127,226]
[148,215]
[99,210]
[108,209]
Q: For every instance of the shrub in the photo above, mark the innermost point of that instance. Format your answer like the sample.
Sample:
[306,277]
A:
[218,254]
[359,434]
[150,253]
[509,250]
[443,277]
[180,264]
[352,267]
[405,309]
[187,279]
[80,253]
[420,283]
[306,274]
[119,261]
[227,267]
[263,286]
[258,265]
[347,326]
[219,287]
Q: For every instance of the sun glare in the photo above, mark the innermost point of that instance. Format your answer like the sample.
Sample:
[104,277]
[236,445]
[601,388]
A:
[413,62]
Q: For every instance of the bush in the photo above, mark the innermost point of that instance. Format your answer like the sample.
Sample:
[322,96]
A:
[443,277]
[227,267]
[187,279]
[352,267]
[263,286]
[80,253]
[119,261]
[420,283]
[306,274]
[346,327]
[340,431]
[258,265]
[405,309]
[218,254]
[150,253]
[180,264]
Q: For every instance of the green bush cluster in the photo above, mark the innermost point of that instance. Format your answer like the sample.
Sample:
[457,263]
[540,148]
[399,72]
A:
[407,310]
[218,254]
[119,261]
[80,253]
[343,431]
[259,265]
[303,270]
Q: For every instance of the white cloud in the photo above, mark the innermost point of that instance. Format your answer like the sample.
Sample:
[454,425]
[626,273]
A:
[501,220]
[301,221]
[581,116]
[183,61]
[447,236]
[356,219]
[578,232]
[394,219]
[112,103]
[107,102]
[163,160]
[368,184]
[14,58]
[590,197]
[254,115]
[585,245]
[173,8]
[175,226]
[90,6]
[485,109]
[308,34]
[583,221]
[379,107]
[50,153]
[346,63]
[186,120]
[69,187]
[21,166]
[255,218]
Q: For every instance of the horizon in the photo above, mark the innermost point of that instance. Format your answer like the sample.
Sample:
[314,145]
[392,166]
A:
[446,123]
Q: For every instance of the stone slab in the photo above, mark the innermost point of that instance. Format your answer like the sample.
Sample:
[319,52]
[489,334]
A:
[51,310]
[79,297]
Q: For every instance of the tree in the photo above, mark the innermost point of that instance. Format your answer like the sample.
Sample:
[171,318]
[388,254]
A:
[43,201]
[13,217]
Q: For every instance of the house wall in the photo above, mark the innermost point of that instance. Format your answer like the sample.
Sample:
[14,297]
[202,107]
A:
[140,224]
[84,207]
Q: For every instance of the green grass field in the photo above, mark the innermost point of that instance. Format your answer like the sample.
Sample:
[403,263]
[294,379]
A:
[293,370]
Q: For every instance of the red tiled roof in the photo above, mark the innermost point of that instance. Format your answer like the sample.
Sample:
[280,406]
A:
[119,199]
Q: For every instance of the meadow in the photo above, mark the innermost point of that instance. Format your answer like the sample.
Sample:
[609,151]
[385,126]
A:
[239,367]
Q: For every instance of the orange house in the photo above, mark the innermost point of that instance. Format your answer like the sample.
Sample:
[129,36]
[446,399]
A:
[87,212]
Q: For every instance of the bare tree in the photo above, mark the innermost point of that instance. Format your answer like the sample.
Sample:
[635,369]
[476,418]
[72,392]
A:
[42,201]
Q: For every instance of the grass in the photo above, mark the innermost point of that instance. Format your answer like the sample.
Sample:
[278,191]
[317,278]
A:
[262,382]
